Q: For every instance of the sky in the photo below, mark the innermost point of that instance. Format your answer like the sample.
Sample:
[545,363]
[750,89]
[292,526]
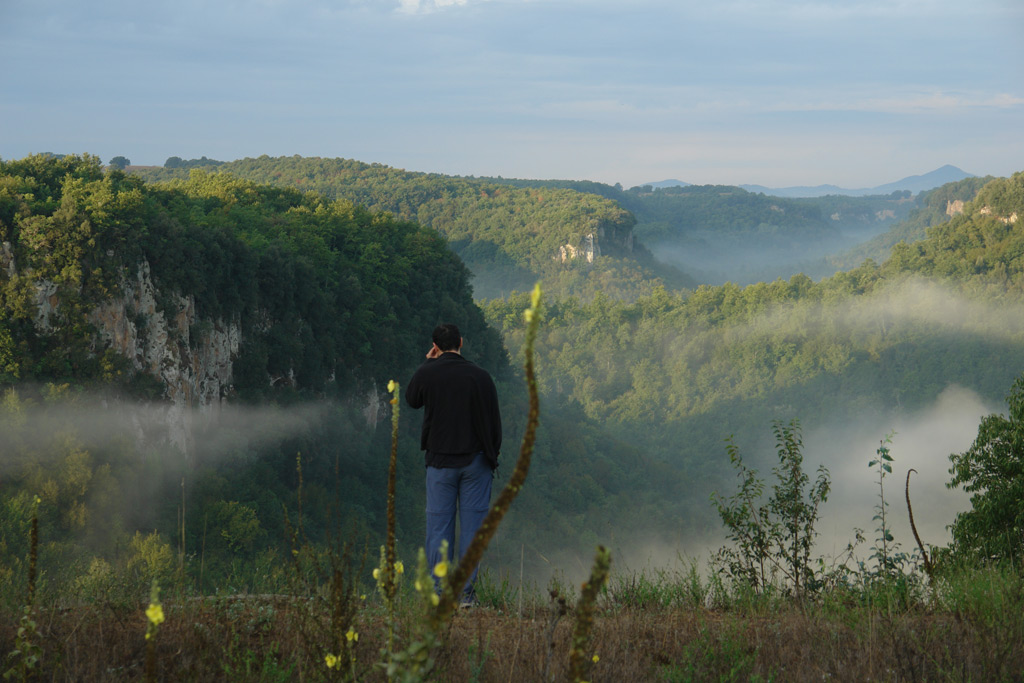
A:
[855,93]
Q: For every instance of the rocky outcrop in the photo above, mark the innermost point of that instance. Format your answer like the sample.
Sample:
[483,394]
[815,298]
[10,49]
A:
[588,248]
[6,259]
[192,357]
[954,207]
[1006,220]
[616,238]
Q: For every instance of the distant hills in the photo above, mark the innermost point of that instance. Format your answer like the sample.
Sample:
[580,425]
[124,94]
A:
[914,184]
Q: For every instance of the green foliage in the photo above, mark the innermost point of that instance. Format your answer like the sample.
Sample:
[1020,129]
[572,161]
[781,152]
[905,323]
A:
[992,471]
[640,382]
[151,557]
[27,653]
[932,208]
[179,163]
[709,209]
[984,243]
[889,561]
[727,657]
[773,539]
[327,295]
[507,235]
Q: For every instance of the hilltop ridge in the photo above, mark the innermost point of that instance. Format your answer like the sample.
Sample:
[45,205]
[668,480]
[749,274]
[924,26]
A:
[913,184]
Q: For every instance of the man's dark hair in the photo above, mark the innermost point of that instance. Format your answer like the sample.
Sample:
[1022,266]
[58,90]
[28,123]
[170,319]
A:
[447,337]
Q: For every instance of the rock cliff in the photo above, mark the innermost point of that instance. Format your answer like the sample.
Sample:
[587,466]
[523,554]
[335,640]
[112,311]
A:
[190,356]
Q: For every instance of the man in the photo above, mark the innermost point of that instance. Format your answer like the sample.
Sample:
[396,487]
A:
[461,437]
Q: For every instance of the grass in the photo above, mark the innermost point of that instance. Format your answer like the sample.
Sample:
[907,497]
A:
[971,631]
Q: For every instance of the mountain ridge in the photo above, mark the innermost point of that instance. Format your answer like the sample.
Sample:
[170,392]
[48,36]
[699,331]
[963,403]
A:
[914,184]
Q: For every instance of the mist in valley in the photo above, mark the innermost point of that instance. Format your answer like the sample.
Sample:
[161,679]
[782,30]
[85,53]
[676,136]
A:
[165,431]
[715,259]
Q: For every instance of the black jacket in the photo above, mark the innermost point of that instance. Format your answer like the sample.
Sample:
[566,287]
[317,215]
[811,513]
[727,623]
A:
[461,415]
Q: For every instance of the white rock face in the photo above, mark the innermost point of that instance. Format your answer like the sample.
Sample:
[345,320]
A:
[196,372]
[588,249]
[1006,220]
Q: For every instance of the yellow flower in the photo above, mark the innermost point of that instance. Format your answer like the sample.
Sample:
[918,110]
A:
[391,386]
[351,635]
[332,661]
[155,613]
[441,569]
[363,596]
[376,574]
[528,314]
[595,659]
[417,585]
[434,599]
[399,567]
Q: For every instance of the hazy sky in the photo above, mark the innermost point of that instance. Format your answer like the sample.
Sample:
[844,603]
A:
[774,92]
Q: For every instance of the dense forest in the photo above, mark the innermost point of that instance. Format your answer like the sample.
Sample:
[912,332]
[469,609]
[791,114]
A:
[509,231]
[330,302]
[508,236]
[333,284]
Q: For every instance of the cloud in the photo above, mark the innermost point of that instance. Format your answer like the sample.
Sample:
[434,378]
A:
[909,103]
[426,6]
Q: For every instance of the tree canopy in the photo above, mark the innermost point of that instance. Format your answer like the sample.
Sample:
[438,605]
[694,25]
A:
[992,471]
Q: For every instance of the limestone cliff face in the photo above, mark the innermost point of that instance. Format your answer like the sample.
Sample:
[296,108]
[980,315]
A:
[617,238]
[1006,220]
[192,357]
[588,249]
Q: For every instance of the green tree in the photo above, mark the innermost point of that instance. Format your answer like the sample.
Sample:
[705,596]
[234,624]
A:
[120,162]
[992,470]
[773,538]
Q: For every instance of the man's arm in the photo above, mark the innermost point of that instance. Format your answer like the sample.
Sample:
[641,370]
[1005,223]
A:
[414,391]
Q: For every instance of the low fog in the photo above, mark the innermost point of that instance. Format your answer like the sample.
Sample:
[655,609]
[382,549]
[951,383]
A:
[712,260]
[34,428]
[922,441]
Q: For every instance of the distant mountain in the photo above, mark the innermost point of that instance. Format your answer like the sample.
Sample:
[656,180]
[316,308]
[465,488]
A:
[928,181]
[913,184]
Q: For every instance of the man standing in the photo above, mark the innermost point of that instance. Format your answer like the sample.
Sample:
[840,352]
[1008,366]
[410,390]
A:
[461,437]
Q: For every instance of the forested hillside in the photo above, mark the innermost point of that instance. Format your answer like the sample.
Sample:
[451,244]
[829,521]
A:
[724,233]
[672,373]
[513,231]
[323,291]
[677,373]
[932,207]
[508,236]
[325,302]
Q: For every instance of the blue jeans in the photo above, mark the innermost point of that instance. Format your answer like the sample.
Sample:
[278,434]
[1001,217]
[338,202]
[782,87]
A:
[467,488]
